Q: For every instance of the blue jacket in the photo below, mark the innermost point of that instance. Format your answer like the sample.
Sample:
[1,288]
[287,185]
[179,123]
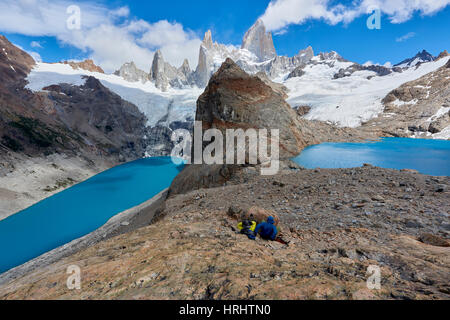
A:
[267,230]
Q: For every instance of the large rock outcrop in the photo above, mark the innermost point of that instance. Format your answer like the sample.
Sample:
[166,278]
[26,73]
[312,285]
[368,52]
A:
[234,99]
[87,65]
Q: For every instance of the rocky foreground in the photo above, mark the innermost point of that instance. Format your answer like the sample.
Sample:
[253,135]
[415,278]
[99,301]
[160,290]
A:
[337,223]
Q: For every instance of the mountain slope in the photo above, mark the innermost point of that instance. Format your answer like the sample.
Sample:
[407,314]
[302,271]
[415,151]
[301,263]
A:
[60,135]
[420,108]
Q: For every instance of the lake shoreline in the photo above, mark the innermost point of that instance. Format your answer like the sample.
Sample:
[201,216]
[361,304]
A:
[124,222]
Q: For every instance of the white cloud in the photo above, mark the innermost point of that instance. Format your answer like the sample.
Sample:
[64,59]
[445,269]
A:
[406,37]
[36,56]
[282,13]
[172,39]
[35,44]
[107,35]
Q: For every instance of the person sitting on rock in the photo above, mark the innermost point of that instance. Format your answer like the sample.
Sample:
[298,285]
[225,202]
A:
[267,230]
[248,227]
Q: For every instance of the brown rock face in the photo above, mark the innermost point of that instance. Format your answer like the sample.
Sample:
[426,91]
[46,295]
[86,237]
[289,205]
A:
[443,54]
[233,99]
[15,64]
[111,125]
[87,65]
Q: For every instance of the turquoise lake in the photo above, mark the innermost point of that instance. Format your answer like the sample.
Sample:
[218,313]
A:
[81,209]
[87,206]
[431,157]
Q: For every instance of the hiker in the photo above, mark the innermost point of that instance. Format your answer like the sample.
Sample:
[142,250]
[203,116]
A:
[267,230]
[248,227]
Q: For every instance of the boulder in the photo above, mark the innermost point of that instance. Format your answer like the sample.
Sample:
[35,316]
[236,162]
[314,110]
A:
[434,240]
[261,215]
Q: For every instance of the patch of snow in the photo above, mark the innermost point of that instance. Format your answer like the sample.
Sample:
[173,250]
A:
[442,111]
[443,135]
[399,103]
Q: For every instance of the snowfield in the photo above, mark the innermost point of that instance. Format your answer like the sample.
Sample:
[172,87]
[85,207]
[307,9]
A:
[176,104]
[348,101]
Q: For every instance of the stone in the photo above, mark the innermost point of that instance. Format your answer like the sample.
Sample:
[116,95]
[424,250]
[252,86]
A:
[440,188]
[303,110]
[261,214]
[434,240]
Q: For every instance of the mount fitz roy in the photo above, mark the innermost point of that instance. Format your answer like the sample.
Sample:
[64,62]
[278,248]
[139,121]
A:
[257,54]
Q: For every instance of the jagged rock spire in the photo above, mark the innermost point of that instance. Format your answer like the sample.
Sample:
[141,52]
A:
[207,40]
[130,72]
[259,42]
[185,68]
[158,71]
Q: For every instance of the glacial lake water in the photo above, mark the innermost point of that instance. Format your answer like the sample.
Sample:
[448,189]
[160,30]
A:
[431,157]
[81,209]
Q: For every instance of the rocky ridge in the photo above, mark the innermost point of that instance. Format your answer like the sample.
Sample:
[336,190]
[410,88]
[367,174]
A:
[131,73]
[87,65]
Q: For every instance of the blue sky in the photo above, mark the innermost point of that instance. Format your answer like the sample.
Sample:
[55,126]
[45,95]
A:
[136,29]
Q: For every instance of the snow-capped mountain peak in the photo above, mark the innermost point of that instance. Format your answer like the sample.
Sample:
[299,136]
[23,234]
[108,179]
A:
[259,42]
[420,57]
